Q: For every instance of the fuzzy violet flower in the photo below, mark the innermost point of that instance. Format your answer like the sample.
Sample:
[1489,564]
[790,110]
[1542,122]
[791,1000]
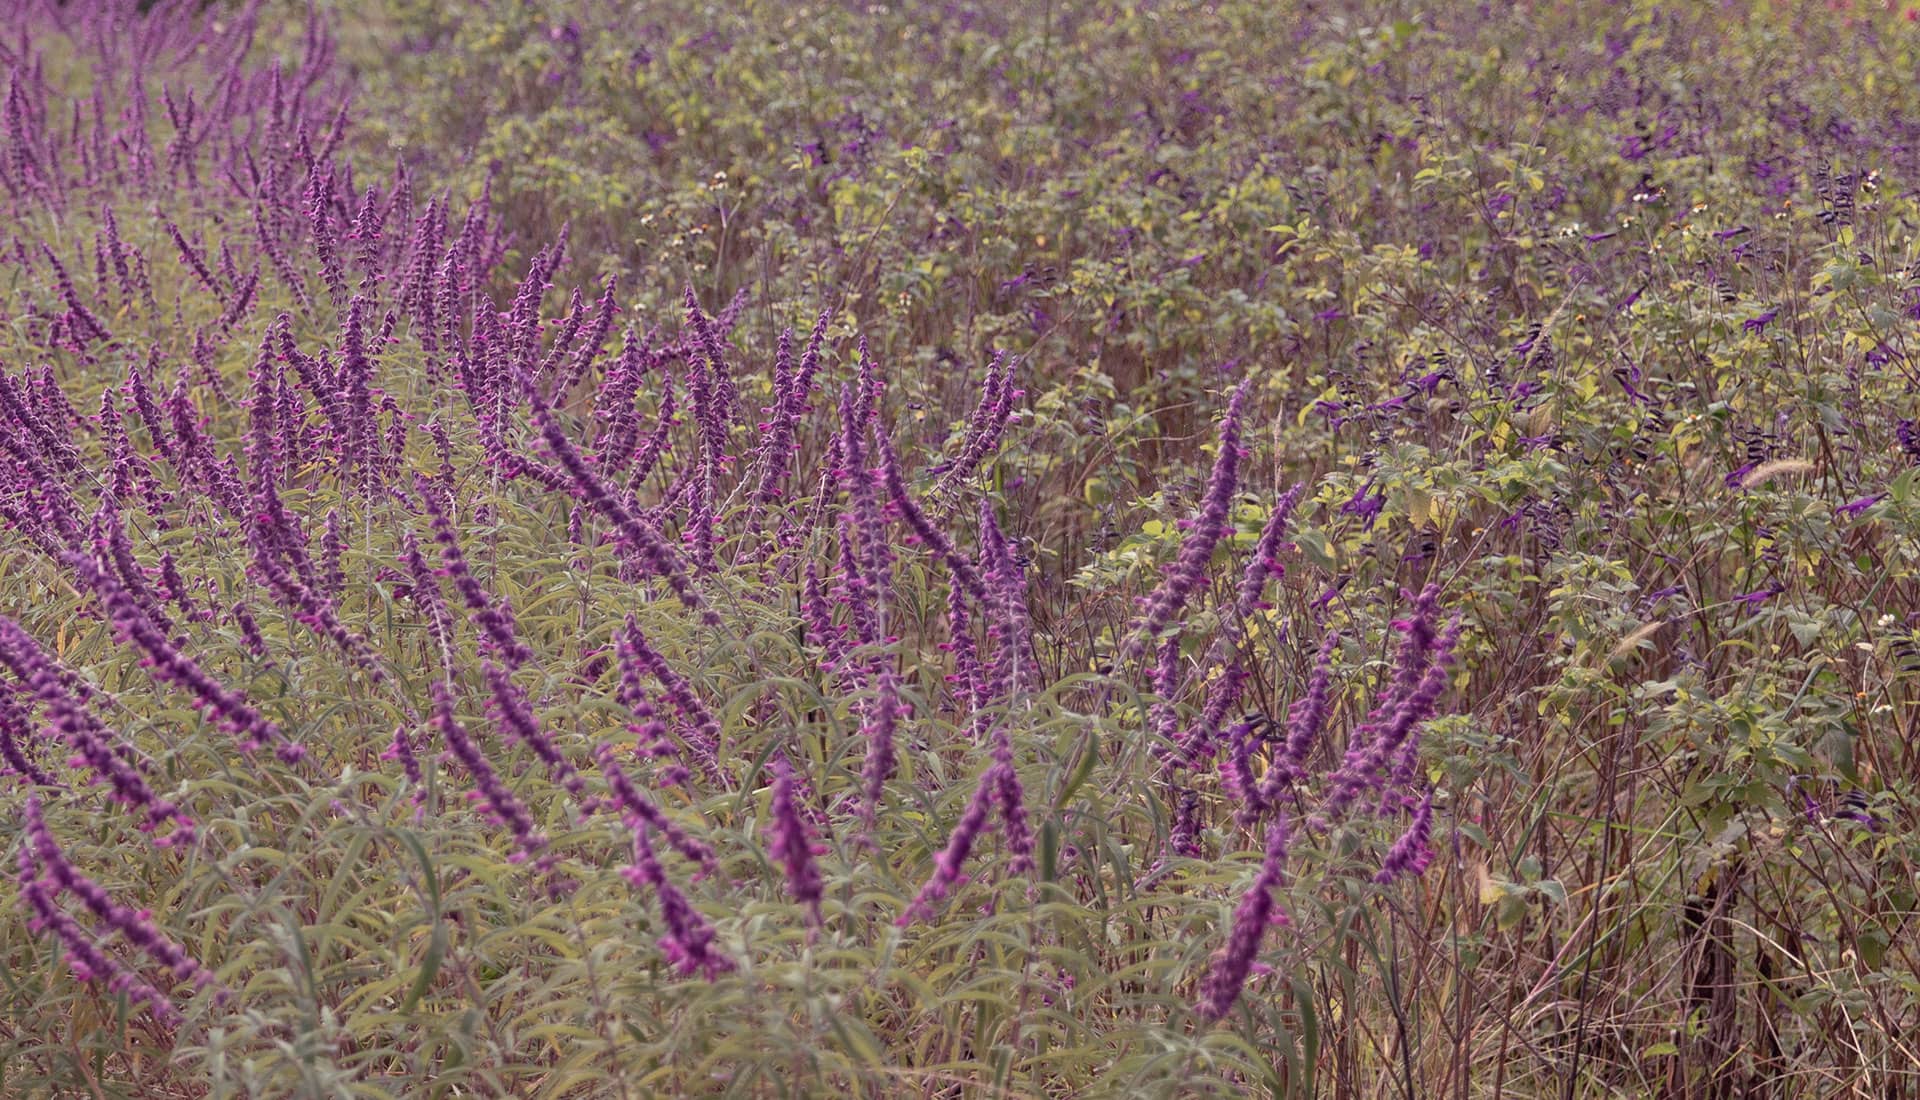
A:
[688,942]
[135,926]
[1188,572]
[1228,971]
[793,843]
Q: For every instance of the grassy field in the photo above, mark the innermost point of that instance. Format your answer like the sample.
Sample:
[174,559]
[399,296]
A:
[1127,549]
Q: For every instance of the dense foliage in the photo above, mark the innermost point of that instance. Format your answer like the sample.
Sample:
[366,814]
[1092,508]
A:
[1139,549]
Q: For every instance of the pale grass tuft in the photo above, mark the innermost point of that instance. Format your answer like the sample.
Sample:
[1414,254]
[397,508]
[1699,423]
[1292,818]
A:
[1632,641]
[1779,467]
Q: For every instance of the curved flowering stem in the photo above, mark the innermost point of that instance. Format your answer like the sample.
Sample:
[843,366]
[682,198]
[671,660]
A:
[500,803]
[641,537]
[948,866]
[689,939]
[167,663]
[1228,970]
[94,747]
[84,957]
[1188,572]
[135,926]
[793,844]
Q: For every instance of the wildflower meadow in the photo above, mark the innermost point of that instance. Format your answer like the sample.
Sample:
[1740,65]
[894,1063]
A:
[1100,548]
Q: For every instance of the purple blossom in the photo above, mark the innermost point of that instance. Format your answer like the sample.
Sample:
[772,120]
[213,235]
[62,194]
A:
[793,844]
[877,729]
[922,527]
[689,939]
[424,591]
[1188,571]
[642,538]
[641,812]
[514,713]
[135,926]
[15,734]
[1198,742]
[1013,805]
[1413,850]
[84,957]
[1228,970]
[167,663]
[705,742]
[495,622]
[94,747]
[1853,508]
[1366,504]
[500,803]
[1305,718]
[989,420]
[949,866]
[1265,562]
[401,748]
[1418,684]
[1163,719]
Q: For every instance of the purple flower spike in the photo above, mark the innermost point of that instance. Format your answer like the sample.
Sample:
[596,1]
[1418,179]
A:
[1411,853]
[877,726]
[1188,572]
[135,926]
[963,570]
[1304,720]
[84,957]
[1853,508]
[640,537]
[793,844]
[511,708]
[501,804]
[495,622]
[689,939]
[167,663]
[948,866]
[1013,805]
[641,812]
[111,760]
[1231,964]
